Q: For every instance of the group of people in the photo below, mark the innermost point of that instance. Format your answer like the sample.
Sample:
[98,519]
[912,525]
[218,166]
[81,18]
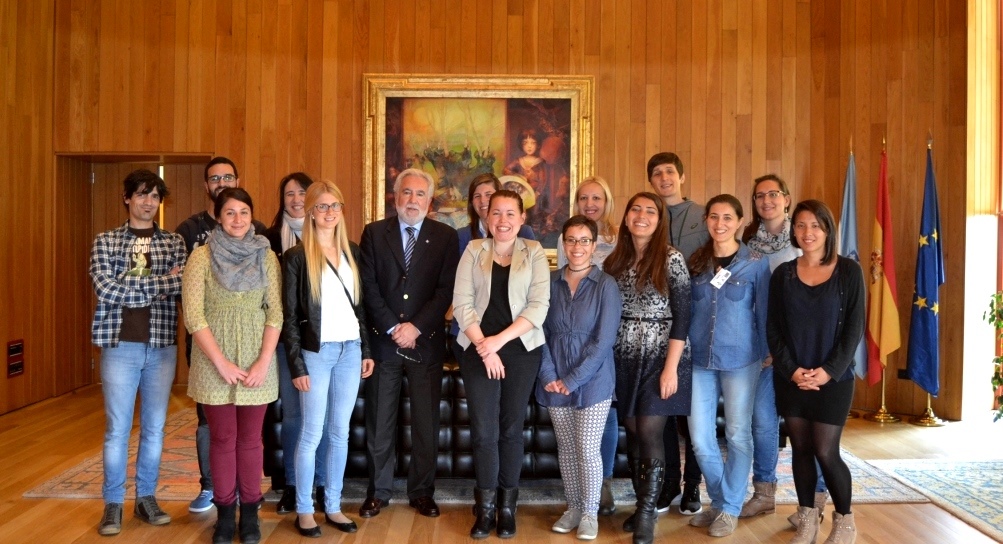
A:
[648,323]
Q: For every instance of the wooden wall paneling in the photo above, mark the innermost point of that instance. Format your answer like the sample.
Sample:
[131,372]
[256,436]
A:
[637,75]
[729,84]
[681,83]
[562,44]
[736,88]
[27,266]
[619,70]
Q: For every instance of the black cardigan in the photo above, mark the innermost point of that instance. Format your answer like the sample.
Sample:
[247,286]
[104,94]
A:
[839,363]
[301,326]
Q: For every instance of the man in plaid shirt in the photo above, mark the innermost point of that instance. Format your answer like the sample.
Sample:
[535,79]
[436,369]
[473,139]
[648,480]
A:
[136,271]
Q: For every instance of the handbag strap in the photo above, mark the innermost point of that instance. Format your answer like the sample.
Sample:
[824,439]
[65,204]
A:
[343,286]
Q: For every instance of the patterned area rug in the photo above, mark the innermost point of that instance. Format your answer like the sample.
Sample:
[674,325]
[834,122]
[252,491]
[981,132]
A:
[968,489]
[179,478]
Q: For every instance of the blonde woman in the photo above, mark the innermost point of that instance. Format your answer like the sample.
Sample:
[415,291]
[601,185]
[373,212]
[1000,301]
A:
[327,346]
[594,200]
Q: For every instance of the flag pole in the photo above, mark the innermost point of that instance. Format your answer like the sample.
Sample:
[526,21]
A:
[853,414]
[883,415]
[928,419]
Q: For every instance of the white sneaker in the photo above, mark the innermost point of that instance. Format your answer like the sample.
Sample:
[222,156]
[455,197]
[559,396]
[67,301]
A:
[568,522]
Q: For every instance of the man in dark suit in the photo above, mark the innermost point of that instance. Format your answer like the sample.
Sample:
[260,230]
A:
[407,269]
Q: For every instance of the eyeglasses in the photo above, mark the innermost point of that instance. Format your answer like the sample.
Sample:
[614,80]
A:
[584,242]
[772,194]
[229,178]
[410,354]
[323,208]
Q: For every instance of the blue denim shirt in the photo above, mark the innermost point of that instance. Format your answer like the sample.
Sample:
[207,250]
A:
[728,325]
[581,331]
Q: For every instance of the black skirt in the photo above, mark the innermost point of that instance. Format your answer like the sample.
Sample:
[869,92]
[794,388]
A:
[830,404]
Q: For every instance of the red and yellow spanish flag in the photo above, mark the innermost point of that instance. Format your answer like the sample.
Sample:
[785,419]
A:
[882,313]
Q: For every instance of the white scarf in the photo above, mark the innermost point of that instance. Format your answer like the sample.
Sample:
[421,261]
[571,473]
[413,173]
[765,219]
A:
[292,230]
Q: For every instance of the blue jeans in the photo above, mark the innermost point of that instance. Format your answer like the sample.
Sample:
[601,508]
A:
[727,480]
[292,421]
[335,374]
[126,370]
[610,438]
[765,430]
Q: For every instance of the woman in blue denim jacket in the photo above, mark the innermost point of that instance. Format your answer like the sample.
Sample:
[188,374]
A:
[728,341]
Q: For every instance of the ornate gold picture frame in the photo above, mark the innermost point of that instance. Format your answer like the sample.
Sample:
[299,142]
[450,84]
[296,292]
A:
[458,126]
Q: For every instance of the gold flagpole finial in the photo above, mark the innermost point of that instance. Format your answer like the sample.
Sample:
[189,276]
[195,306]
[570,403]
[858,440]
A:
[883,144]
[851,144]
[929,139]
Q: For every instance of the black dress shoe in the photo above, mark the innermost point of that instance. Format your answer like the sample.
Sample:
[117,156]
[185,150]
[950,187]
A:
[349,527]
[312,532]
[425,506]
[371,507]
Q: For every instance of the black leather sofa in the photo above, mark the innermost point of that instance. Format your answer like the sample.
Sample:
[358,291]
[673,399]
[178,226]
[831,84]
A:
[455,461]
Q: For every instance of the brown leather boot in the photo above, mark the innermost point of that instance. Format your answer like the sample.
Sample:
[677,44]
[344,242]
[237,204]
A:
[807,526]
[820,499]
[844,530]
[763,500]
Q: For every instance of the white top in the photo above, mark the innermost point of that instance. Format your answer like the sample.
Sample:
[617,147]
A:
[337,317]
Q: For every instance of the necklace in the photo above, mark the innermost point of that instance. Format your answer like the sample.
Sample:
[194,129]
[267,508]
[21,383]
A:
[583,269]
[503,255]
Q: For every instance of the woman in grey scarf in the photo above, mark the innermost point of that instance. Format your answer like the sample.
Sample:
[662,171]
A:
[233,309]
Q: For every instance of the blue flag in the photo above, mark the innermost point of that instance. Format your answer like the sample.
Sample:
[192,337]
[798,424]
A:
[923,362]
[848,248]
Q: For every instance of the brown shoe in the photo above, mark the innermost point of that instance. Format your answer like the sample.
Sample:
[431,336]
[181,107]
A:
[371,507]
[425,506]
[844,530]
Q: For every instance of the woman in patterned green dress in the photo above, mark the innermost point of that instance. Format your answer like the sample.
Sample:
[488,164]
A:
[233,308]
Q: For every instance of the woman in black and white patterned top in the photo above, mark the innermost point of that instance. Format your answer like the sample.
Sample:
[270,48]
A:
[653,370]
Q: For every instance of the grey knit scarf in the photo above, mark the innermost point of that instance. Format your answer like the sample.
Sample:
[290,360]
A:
[238,264]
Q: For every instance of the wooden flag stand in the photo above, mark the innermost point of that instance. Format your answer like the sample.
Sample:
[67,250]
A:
[882,415]
[928,419]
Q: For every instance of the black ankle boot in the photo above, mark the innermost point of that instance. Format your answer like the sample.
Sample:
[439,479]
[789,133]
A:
[250,532]
[484,512]
[652,473]
[630,523]
[507,499]
[226,523]
[287,503]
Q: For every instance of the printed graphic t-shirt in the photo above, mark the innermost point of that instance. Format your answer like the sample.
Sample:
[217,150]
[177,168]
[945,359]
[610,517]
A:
[136,321]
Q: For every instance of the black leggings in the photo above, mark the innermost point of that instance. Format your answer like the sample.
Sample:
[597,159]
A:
[811,441]
[644,437]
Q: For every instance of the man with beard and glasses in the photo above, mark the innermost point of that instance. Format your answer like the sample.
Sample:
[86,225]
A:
[220,173]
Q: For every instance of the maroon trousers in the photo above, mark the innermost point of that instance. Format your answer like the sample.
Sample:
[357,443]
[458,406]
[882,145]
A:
[236,454]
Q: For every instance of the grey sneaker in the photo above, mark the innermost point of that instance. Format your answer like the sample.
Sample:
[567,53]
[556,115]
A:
[588,529]
[568,522]
[704,518]
[111,520]
[149,511]
[724,524]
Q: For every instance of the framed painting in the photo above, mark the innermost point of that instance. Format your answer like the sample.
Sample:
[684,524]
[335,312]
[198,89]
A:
[457,127]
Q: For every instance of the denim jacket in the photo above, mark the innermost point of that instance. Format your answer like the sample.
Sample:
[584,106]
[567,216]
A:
[728,325]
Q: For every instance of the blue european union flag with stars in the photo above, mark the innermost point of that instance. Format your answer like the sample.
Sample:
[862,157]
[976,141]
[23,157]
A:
[923,362]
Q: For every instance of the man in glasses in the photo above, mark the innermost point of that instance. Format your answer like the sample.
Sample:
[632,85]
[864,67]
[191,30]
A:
[220,173]
[407,270]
